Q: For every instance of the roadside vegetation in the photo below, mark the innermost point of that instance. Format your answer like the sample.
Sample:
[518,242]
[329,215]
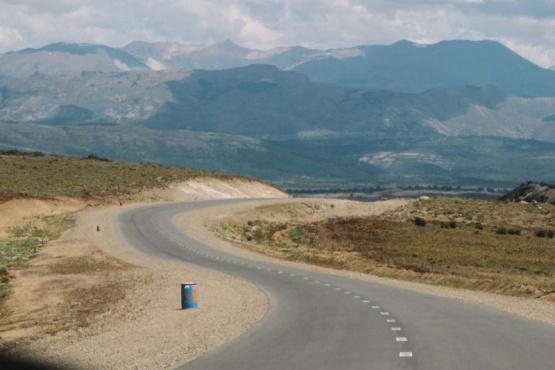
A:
[23,243]
[47,176]
[506,248]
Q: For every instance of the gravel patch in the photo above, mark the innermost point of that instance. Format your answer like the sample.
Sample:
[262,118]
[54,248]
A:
[149,330]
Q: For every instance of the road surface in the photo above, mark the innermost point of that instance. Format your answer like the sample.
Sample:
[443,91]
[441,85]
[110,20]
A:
[318,321]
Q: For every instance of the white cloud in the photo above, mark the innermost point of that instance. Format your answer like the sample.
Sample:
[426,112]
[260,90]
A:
[8,36]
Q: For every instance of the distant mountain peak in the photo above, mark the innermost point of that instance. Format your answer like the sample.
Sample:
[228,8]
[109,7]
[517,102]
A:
[228,42]
[68,59]
[229,47]
[69,48]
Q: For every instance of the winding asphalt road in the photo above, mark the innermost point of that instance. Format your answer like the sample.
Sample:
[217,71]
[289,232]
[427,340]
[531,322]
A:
[318,321]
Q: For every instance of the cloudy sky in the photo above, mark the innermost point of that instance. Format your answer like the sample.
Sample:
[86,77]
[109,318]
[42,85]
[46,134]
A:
[525,26]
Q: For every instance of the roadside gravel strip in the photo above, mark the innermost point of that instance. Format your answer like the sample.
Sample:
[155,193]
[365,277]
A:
[155,333]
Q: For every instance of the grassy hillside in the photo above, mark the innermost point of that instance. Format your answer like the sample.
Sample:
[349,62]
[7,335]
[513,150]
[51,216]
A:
[499,247]
[38,175]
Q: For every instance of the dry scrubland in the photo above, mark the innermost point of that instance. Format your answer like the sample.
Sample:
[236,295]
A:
[490,246]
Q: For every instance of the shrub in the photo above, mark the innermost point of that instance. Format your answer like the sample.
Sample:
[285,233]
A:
[449,224]
[419,221]
[479,226]
[297,233]
[94,157]
[514,231]
[541,233]
[550,234]
[501,231]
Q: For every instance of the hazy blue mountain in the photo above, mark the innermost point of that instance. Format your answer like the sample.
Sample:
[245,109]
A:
[403,66]
[62,58]
[410,67]
[224,55]
[264,102]
[259,101]
[86,97]
[331,162]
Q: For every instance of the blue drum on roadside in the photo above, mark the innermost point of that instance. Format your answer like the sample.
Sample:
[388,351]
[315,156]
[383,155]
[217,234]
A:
[189,296]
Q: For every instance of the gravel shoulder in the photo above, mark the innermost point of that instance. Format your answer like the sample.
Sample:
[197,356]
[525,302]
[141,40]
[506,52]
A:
[148,330]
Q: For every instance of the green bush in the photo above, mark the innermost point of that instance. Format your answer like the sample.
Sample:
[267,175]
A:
[541,233]
[501,231]
[419,221]
[550,234]
[449,224]
[297,233]
[514,231]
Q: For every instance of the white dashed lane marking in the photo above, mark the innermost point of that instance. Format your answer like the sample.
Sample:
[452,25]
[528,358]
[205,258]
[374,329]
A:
[404,354]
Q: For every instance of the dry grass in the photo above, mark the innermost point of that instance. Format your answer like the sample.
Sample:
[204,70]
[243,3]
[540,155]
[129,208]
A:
[57,176]
[460,244]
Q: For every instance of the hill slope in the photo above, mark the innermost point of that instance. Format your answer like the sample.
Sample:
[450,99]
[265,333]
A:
[63,58]
[532,192]
[405,66]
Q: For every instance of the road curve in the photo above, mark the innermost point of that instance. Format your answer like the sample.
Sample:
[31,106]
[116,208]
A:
[321,321]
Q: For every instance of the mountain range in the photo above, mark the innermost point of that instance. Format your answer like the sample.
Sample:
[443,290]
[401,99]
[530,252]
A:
[448,113]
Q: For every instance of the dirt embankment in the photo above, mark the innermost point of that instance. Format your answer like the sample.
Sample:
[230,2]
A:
[85,301]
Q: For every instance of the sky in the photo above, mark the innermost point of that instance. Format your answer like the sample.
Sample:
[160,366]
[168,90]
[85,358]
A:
[525,26]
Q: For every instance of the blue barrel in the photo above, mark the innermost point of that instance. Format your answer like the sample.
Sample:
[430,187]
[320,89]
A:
[189,296]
